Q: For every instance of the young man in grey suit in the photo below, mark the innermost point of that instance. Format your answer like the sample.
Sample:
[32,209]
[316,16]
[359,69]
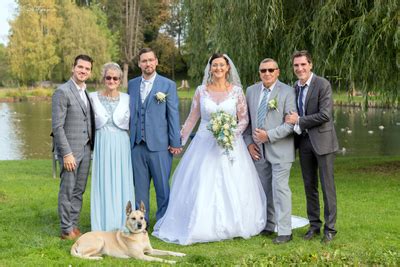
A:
[154,131]
[317,143]
[73,130]
[270,143]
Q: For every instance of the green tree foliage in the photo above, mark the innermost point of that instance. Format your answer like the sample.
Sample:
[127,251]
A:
[32,43]
[5,79]
[47,35]
[170,61]
[86,35]
[357,40]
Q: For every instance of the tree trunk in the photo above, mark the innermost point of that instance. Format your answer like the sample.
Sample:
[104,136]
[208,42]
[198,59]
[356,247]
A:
[125,77]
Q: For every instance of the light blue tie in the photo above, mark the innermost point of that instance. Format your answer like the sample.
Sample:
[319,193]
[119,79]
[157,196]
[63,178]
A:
[262,109]
[144,87]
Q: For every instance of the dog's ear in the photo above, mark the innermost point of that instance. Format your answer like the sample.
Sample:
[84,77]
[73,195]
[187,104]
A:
[142,207]
[128,208]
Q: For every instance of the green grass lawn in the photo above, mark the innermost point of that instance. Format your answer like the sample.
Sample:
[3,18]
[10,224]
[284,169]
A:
[368,222]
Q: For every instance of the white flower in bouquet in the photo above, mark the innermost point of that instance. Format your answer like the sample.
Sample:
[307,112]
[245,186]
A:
[222,126]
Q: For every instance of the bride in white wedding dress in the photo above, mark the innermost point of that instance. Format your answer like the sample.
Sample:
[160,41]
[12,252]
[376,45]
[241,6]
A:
[214,197]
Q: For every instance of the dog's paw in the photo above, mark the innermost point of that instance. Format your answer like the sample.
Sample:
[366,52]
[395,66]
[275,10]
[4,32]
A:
[170,262]
[178,254]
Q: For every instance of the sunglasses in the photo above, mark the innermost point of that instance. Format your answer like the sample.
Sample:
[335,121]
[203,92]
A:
[269,70]
[108,78]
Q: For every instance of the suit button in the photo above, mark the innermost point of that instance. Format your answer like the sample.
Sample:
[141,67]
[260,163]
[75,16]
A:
[84,131]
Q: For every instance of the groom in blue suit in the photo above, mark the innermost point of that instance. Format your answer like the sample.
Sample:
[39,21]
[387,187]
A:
[154,131]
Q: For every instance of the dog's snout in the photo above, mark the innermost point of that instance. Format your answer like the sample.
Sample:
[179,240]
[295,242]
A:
[139,225]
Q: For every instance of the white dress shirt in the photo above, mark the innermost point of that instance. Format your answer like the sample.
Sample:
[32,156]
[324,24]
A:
[81,91]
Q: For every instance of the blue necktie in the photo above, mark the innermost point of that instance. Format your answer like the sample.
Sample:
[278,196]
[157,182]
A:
[262,109]
[301,113]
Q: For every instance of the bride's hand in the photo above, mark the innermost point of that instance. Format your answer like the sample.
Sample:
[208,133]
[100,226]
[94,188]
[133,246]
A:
[254,151]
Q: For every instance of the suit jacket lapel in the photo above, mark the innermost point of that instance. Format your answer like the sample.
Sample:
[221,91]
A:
[274,92]
[256,97]
[136,94]
[74,91]
[311,89]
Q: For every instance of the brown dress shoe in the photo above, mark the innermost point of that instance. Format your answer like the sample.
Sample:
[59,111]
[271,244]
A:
[77,232]
[69,236]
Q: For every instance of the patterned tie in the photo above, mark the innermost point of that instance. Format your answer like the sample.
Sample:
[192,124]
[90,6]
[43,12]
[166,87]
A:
[301,112]
[262,109]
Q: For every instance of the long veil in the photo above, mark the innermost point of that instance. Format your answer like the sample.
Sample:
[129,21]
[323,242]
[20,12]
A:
[233,75]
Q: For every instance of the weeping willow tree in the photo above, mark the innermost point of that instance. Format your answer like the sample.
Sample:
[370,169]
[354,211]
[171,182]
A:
[360,42]
[229,27]
[357,41]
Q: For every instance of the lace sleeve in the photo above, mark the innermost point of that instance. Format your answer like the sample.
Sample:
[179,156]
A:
[242,112]
[193,117]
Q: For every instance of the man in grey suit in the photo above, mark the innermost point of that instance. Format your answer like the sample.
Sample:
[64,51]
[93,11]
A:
[73,129]
[155,131]
[317,143]
[270,143]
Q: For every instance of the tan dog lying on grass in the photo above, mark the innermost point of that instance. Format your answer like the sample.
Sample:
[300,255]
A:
[132,244]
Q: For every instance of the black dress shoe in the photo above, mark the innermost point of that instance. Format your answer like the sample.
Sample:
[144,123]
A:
[328,237]
[266,233]
[281,239]
[311,234]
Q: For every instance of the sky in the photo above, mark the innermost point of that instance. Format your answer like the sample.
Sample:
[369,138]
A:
[7,10]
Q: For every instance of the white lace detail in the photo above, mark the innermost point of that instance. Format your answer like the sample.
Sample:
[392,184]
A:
[206,102]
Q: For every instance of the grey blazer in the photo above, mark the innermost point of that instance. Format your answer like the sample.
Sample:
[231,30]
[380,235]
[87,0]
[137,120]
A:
[318,116]
[72,122]
[280,147]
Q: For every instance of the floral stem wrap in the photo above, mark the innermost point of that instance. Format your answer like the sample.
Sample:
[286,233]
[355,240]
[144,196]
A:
[222,126]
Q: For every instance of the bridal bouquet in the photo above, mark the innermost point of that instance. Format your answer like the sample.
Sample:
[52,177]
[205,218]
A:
[222,126]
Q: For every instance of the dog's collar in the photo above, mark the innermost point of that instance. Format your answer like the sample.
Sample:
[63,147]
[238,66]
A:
[125,230]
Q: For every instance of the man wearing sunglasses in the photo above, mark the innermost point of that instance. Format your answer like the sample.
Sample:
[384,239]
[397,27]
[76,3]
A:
[317,143]
[270,143]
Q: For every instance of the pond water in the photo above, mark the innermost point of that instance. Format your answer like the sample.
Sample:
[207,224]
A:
[25,130]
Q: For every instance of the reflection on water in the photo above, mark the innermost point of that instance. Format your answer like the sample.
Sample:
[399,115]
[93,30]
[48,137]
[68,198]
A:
[10,144]
[375,132]
[25,128]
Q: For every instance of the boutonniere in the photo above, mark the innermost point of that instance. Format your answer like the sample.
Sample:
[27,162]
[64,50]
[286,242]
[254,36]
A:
[161,97]
[273,104]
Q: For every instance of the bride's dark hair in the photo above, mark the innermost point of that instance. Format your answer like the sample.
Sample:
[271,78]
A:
[218,55]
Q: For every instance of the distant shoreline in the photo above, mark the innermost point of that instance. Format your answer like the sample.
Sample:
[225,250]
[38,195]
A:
[44,94]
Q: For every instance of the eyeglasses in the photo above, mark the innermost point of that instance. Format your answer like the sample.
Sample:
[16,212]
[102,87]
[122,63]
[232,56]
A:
[269,70]
[108,78]
[149,60]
